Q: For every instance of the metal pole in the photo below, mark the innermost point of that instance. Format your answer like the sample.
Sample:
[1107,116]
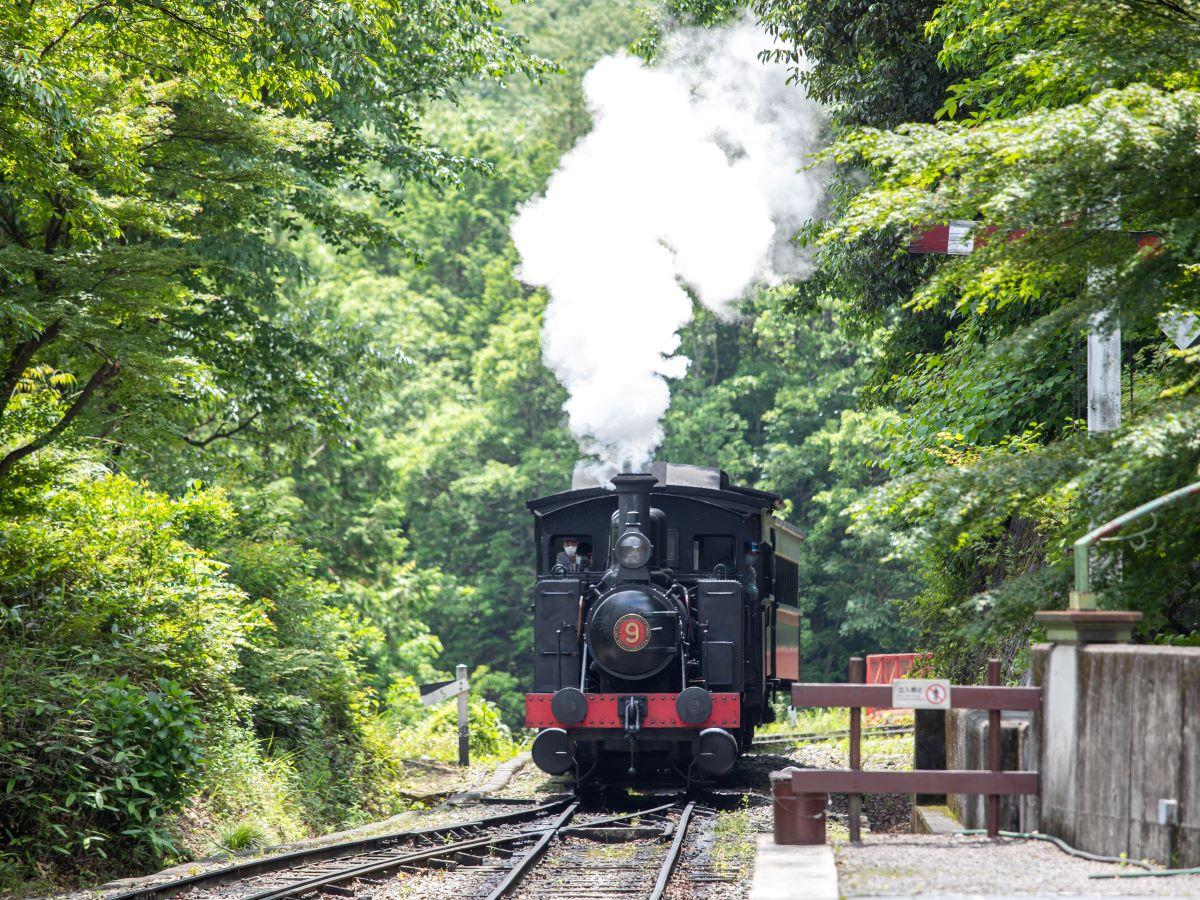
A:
[857,676]
[464,734]
[1103,373]
[993,800]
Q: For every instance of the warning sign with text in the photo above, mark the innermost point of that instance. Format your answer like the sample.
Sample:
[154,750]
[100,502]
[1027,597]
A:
[921,693]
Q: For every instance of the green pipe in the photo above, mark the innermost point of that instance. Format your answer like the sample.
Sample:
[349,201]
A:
[1061,845]
[1157,873]
[1084,544]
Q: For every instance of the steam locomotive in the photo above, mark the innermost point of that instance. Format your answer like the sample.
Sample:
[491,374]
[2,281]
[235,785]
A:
[659,644]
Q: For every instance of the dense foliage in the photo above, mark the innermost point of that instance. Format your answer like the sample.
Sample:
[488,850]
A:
[1063,127]
[168,173]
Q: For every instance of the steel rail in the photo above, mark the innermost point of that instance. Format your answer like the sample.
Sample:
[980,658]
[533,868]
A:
[525,863]
[668,866]
[608,820]
[381,866]
[813,736]
[344,849]
[376,867]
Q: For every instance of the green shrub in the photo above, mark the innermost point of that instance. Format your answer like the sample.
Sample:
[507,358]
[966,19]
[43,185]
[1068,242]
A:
[111,628]
[243,836]
[436,735]
[140,677]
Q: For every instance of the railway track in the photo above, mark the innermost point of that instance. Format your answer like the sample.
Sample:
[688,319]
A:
[799,737]
[575,870]
[527,852]
[327,868]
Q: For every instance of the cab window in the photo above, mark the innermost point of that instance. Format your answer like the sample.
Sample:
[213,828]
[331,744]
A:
[711,550]
[584,553]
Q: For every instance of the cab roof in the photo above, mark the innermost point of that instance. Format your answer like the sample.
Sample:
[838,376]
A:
[673,478]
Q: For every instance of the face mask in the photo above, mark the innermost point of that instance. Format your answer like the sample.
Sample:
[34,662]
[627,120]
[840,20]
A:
[569,550]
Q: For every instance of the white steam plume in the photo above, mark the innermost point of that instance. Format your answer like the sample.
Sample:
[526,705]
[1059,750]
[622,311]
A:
[692,175]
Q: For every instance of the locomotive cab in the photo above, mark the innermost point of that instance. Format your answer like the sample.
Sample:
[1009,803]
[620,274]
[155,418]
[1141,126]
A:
[659,656]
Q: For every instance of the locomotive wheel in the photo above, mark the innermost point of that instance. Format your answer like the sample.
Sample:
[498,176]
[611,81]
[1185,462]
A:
[569,706]
[552,751]
[694,705]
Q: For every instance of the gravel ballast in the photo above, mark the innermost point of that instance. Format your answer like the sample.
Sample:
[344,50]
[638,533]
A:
[956,865]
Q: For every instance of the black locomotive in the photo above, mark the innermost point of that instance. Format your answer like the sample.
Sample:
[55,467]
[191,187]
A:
[664,619]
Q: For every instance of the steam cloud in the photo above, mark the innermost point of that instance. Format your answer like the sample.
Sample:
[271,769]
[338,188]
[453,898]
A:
[690,178]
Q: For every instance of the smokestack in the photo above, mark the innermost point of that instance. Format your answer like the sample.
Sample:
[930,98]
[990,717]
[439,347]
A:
[633,497]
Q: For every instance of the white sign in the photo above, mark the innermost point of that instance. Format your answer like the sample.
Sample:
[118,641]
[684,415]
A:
[1181,327]
[960,241]
[921,693]
[445,692]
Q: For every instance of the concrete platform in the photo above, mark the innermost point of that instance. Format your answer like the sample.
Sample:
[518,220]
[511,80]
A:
[793,872]
[934,820]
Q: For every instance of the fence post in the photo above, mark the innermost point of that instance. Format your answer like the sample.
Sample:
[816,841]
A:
[464,734]
[994,761]
[858,674]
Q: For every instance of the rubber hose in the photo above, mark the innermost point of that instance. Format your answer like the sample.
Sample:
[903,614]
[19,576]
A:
[1153,874]
[1070,851]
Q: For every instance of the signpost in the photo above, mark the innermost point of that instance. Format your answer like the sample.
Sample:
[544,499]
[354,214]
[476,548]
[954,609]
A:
[920,693]
[433,694]
[960,237]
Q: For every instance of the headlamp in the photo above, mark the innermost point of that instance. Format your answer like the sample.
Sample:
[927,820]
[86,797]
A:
[633,550]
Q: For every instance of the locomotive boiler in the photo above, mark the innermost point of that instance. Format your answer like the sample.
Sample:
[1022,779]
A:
[664,622]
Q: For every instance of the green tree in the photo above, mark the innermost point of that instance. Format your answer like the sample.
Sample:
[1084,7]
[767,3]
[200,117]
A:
[1063,126]
[154,157]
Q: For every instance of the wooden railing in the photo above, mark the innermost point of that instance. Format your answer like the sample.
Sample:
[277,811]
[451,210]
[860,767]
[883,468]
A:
[993,782]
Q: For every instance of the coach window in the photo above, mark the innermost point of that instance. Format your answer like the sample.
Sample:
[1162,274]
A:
[559,555]
[712,550]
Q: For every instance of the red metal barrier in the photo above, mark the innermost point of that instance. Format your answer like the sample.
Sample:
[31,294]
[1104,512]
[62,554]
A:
[883,667]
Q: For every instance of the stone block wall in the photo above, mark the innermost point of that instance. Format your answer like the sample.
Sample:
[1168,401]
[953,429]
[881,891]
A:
[1120,730]
[967,748]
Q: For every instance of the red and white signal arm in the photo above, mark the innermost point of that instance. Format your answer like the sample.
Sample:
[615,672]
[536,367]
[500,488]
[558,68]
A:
[962,236]
[958,237]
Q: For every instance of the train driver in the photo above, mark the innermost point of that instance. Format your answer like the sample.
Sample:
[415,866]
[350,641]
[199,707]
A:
[568,557]
[750,568]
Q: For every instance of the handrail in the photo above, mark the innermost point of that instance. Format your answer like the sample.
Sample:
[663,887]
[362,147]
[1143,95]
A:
[1084,544]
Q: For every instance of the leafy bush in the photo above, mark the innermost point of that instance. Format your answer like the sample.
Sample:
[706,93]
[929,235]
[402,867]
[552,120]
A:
[243,836]
[87,764]
[139,678]
[435,735]
[113,628]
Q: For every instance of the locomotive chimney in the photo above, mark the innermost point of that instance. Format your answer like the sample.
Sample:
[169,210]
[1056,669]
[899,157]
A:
[633,496]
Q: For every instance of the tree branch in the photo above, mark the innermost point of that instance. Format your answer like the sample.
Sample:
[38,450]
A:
[218,434]
[19,361]
[78,20]
[106,371]
[8,218]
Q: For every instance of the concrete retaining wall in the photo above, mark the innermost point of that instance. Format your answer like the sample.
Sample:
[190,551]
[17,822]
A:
[1121,730]
[967,748]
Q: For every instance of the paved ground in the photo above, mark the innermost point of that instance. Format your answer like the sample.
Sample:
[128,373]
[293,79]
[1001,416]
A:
[967,866]
[790,872]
